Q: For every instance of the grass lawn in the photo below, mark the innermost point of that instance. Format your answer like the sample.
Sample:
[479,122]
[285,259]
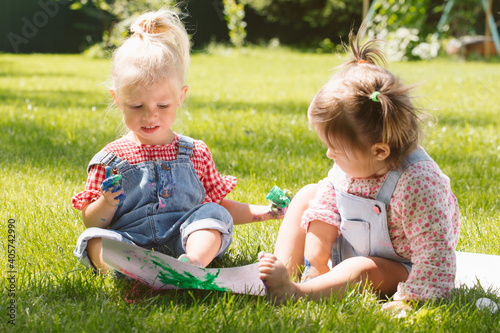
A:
[250,108]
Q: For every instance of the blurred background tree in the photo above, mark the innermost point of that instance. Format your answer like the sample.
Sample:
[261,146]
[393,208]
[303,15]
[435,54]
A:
[317,25]
[234,13]
[410,27]
[116,17]
[303,23]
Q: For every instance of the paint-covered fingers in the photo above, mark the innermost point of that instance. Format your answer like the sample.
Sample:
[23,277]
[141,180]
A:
[111,181]
[113,196]
[266,213]
[277,213]
[111,189]
[280,199]
[109,171]
[120,198]
[269,212]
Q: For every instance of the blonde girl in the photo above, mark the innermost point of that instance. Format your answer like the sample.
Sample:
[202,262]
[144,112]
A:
[385,215]
[153,187]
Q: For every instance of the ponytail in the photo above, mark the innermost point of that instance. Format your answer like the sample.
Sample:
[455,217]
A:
[364,104]
[400,129]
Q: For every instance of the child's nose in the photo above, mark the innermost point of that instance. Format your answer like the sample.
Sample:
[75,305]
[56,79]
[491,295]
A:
[149,112]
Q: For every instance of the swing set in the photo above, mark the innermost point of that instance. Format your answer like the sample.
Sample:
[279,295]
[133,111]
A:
[491,31]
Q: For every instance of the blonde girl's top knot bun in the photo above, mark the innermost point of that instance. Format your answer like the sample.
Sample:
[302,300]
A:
[164,26]
[147,26]
[158,48]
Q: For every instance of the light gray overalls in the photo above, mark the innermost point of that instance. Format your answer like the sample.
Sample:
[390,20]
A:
[363,227]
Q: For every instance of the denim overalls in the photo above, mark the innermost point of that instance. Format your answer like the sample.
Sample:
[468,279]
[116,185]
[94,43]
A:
[363,227]
[162,205]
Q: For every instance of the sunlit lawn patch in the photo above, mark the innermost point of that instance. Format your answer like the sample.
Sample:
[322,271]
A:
[250,108]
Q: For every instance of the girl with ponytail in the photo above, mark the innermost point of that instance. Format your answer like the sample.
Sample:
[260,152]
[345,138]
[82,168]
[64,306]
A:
[153,187]
[385,215]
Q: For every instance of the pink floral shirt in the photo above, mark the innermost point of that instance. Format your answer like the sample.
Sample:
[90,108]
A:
[423,222]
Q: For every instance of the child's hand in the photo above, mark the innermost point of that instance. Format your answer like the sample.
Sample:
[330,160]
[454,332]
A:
[276,212]
[111,190]
[280,199]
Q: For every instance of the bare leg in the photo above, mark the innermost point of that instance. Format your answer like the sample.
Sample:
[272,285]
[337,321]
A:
[202,246]
[319,240]
[94,251]
[289,248]
[383,274]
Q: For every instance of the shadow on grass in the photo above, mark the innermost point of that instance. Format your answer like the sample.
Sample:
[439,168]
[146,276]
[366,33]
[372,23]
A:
[51,99]
[135,292]
[46,146]
[83,286]
[57,140]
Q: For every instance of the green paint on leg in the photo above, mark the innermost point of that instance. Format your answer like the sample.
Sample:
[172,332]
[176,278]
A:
[185,280]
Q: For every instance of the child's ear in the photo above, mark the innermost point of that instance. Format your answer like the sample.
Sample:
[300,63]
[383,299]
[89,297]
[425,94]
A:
[182,96]
[381,151]
[115,98]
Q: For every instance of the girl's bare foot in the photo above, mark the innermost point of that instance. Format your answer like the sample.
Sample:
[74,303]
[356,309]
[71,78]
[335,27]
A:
[276,278]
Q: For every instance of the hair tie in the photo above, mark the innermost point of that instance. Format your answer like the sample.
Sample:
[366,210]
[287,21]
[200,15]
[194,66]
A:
[374,96]
[150,26]
[362,61]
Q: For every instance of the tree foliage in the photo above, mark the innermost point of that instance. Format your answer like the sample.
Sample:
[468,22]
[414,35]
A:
[465,18]
[408,25]
[116,17]
[234,13]
[315,13]
[411,28]
[305,23]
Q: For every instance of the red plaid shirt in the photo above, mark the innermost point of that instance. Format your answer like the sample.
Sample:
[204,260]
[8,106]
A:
[216,186]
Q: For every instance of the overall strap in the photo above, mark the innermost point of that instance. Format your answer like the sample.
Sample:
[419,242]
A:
[104,158]
[385,193]
[185,147]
